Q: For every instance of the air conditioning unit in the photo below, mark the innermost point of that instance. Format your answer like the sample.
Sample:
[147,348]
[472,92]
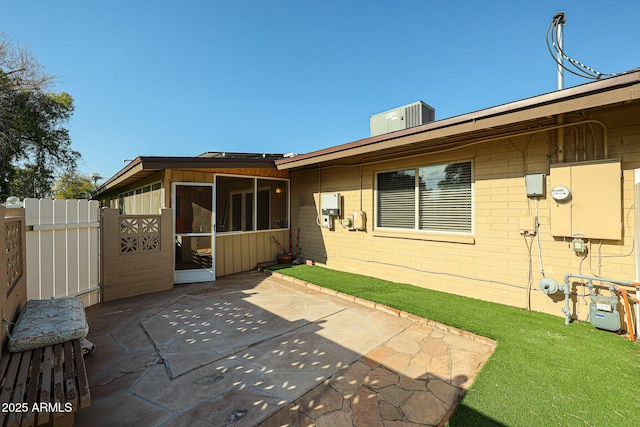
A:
[400,118]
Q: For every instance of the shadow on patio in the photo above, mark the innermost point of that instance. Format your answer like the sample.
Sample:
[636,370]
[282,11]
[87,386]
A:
[252,349]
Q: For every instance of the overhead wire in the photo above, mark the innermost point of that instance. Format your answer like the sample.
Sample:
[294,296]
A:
[578,68]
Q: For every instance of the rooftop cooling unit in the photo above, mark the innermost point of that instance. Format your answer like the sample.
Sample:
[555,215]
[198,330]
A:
[405,117]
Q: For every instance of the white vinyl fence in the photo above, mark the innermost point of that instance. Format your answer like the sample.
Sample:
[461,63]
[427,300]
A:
[62,248]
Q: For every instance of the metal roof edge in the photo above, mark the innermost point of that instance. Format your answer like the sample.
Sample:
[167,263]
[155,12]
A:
[583,90]
[119,176]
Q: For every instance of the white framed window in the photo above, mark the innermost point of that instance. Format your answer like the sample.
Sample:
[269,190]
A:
[142,200]
[433,198]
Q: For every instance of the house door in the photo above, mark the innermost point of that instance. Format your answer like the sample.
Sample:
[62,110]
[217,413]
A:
[194,235]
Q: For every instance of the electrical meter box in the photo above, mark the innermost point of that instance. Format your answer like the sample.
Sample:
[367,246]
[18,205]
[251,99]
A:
[586,200]
[330,203]
[535,184]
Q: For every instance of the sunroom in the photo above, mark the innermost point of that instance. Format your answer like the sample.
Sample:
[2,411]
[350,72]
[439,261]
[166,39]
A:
[227,208]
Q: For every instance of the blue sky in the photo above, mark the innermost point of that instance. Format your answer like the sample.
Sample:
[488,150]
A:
[179,78]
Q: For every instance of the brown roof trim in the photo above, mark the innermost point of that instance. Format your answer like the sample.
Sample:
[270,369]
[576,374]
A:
[204,162]
[454,125]
[157,163]
[130,169]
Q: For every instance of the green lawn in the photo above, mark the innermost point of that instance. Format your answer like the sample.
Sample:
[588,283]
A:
[542,372]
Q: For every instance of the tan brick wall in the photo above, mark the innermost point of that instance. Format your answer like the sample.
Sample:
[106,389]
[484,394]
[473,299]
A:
[493,264]
[129,274]
[12,299]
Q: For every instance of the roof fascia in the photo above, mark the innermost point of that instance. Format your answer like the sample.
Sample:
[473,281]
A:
[590,95]
[160,163]
[131,169]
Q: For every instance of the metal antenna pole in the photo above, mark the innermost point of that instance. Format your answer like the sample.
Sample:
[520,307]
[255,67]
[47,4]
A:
[560,19]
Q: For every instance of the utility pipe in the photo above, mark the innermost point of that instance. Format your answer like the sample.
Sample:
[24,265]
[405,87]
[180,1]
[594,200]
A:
[422,151]
[567,294]
[561,20]
[627,310]
[567,290]
[561,139]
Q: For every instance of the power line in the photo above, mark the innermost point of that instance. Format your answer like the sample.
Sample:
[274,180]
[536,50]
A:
[554,44]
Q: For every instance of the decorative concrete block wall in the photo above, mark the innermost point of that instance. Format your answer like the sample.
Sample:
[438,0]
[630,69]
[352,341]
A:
[137,253]
[12,267]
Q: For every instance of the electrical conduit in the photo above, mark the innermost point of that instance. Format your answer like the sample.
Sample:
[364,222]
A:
[627,310]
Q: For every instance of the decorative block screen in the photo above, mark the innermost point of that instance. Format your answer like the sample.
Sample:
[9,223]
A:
[14,252]
[139,234]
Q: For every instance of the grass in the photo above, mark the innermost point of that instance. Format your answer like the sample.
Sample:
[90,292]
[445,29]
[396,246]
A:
[542,373]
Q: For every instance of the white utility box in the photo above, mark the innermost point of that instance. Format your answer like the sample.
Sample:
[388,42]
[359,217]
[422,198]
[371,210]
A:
[330,203]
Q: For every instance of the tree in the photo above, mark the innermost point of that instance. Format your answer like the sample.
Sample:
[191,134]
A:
[33,139]
[456,175]
[29,181]
[72,185]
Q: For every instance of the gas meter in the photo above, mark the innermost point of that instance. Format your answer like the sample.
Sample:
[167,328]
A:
[603,311]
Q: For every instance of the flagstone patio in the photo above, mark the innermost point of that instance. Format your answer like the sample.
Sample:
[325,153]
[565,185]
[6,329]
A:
[254,349]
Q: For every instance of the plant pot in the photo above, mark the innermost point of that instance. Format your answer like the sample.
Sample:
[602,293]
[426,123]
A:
[285,259]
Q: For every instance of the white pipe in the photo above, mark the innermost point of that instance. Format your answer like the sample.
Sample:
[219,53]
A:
[538,236]
[560,57]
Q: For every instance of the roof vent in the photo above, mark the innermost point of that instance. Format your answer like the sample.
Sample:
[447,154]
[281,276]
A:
[404,117]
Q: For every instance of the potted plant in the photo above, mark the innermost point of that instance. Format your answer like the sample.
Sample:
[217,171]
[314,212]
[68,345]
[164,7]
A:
[285,258]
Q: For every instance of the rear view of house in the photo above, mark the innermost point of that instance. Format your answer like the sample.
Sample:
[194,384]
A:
[485,204]
[512,204]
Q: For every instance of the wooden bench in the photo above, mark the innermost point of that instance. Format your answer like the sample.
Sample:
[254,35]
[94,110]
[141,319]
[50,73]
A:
[44,386]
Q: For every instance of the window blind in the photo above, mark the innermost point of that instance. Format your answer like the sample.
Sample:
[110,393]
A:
[445,198]
[443,193]
[396,199]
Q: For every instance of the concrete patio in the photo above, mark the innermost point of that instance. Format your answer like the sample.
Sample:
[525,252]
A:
[254,349]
